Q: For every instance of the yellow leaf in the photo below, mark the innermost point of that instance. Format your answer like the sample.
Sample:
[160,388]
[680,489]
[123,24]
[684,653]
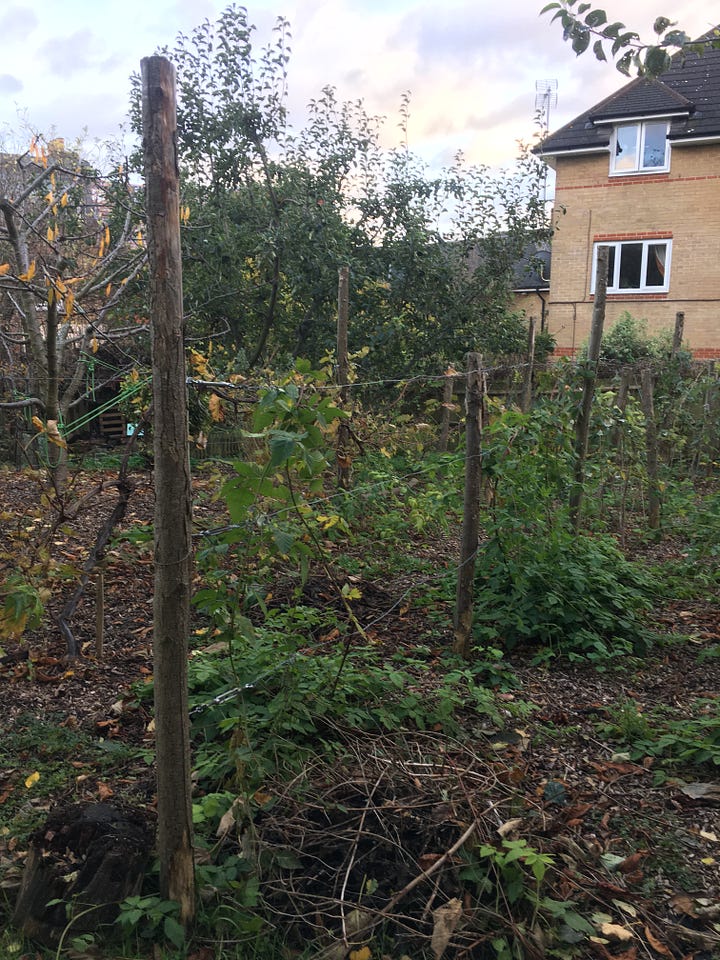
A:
[49,198]
[108,290]
[4,269]
[69,303]
[215,407]
[364,953]
[64,200]
[94,344]
[32,779]
[53,434]
[615,932]
[38,424]
[107,236]
[50,234]
[30,273]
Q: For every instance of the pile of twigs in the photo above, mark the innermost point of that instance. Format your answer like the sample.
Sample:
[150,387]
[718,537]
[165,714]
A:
[381,843]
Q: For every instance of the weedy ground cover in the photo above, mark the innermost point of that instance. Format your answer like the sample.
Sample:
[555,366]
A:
[341,754]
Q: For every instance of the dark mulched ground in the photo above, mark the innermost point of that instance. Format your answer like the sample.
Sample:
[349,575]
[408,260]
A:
[552,777]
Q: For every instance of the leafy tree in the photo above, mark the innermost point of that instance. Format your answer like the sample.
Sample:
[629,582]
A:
[274,213]
[69,245]
[583,25]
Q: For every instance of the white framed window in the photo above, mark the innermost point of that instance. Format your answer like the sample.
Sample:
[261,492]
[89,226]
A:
[636,266]
[640,147]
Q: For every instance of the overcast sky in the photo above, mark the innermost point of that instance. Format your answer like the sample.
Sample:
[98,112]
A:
[470,66]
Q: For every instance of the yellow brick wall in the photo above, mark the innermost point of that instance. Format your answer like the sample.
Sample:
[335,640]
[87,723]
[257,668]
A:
[683,204]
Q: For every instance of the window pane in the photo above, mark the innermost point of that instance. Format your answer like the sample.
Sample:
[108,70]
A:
[626,139]
[611,266]
[657,253]
[630,266]
[655,145]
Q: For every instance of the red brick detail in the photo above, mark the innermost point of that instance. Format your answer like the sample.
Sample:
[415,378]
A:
[564,351]
[633,296]
[654,235]
[707,353]
[639,178]
[636,296]
[625,181]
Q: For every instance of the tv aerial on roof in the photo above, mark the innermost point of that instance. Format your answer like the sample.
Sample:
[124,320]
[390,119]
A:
[545,99]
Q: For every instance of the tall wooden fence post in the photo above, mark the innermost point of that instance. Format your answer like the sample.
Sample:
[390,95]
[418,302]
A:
[582,423]
[447,408]
[474,395]
[526,400]
[651,444]
[343,369]
[677,334]
[621,401]
[173,492]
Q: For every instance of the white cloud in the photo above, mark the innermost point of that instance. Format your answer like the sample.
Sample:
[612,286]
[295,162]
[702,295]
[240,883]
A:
[470,67]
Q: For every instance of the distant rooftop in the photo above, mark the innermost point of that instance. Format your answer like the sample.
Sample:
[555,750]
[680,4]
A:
[688,93]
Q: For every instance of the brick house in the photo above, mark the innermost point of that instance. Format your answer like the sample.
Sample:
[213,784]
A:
[640,172]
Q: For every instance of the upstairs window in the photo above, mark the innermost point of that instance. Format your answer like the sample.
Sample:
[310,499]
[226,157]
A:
[639,148]
[636,266]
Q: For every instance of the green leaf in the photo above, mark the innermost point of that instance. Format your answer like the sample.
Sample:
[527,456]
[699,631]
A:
[676,38]
[548,7]
[657,61]
[598,50]
[613,30]
[284,540]
[625,62]
[581,41]
[576,922]
[174,931]
[282,446]
[596,18]
[661,25]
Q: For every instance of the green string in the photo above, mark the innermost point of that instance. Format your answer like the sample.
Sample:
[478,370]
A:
[126,392]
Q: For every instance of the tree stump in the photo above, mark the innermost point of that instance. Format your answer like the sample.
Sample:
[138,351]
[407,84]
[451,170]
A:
[88,857]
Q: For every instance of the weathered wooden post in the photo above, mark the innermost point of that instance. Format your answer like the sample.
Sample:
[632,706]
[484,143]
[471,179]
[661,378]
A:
[343,370]
[474,396]
[447,408]
[651,445]
[621,400]
[100,612]
[677,334]
[526,399]
[582,423]
[173,492]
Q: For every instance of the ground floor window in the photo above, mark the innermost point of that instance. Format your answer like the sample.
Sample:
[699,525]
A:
[636,266]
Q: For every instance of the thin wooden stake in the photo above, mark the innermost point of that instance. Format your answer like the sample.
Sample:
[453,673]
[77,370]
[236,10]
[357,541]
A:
[100,613]
[474,396]
[621,399]
[651,443]
[447,407]
[344,460]
[173,489]
[677,334]
[526,400]
[582,423]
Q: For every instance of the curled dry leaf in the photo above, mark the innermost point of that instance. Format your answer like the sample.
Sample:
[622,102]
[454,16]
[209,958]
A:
[613,931]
